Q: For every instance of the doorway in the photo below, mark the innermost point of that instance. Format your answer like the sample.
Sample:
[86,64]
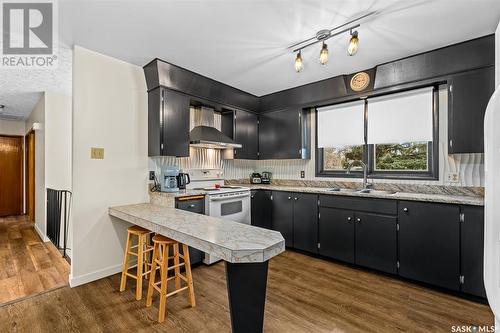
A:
[11,175]
[30,174]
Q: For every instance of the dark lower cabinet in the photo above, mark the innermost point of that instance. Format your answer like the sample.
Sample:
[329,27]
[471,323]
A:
[305,222]
[376,241]
[472,246]
[295,215]
[194,206]
[429,243]
[336,233]
[262,208]
[283,215]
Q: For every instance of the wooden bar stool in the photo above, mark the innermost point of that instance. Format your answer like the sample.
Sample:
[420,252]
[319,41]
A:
[160,262]
[143,263]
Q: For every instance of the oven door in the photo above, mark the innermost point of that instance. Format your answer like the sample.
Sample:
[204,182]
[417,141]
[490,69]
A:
[235,207]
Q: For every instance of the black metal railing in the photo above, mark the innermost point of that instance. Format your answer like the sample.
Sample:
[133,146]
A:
[58,212]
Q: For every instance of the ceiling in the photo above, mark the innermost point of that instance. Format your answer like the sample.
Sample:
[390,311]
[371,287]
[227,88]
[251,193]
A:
[244,43]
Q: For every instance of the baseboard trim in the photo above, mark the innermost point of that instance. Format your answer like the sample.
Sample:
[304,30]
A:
[93,276]
[40,233]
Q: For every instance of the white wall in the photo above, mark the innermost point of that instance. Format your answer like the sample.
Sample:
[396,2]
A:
[57,141]
[52,150]
[497,56]
[109,111]
[11,127]
[38,116]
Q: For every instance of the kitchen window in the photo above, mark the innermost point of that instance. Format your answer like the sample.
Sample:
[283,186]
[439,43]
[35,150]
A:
[392,134]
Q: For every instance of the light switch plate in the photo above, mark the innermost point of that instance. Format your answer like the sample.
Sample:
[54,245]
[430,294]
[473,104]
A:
[452,177]
[96,153]
[302,174]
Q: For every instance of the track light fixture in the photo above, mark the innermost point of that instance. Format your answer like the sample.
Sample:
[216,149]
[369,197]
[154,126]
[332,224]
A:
[353,44]
[323,54]
[323,35]
[298,62]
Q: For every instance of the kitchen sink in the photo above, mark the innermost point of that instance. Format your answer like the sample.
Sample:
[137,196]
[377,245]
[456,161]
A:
[372,191]
[337,189]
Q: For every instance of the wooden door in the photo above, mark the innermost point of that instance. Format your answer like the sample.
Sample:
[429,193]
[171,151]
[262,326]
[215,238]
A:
[11,175]
[30,175]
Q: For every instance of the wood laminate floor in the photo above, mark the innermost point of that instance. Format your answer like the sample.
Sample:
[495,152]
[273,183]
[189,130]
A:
[304,295]
[27,265]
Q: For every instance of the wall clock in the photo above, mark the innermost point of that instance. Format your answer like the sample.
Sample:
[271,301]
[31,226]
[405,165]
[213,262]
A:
[360,81]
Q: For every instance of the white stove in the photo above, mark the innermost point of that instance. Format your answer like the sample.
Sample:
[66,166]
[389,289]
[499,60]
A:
[222,201]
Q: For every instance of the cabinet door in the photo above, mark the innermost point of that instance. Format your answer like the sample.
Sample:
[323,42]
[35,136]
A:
[261,208]
[468,97]
[280,134]
[376,241]
[252,136]
[429,243]
[472,246]
[336,234]
[175,129]
[196,206]
[283,215]
[305,222]
[246,133]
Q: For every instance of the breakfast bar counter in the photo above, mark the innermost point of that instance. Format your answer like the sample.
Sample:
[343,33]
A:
[245,249]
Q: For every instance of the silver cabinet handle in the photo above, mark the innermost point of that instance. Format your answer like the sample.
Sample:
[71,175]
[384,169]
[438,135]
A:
[296,199]
[251,196]
[358,220]
[349,219]
[405,210]
[192,206]
[289,198]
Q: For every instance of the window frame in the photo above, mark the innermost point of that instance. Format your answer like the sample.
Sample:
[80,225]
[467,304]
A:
[368,149]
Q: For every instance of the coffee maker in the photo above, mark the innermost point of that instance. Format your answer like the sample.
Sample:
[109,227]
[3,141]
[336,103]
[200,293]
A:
[168,180]
[266,177]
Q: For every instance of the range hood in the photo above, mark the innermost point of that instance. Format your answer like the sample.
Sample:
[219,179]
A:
[204,134]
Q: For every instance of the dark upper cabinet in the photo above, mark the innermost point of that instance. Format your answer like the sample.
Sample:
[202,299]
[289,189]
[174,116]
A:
[336,233]
[472,246]
[468,96]
[168,123]
[285,134]
[376,241]
[262,208]
[305,222]
[243,128]
[429,243]
[283,215]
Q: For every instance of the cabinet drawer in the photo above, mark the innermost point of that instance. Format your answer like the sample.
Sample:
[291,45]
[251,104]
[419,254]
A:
[372,205]
[191,205]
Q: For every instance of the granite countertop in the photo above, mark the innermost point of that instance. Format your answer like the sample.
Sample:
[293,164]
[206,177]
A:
[427,197]
[180,193]
[228,240]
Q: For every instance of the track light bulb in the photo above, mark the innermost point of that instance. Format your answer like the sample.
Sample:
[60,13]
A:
[323,54]
[353,44]
[298,62]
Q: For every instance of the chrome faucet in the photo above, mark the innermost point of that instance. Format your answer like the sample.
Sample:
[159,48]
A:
[365,172]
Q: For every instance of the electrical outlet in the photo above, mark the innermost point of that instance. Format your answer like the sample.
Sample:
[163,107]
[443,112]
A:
[97,153]
[452,177]
[302,174]
[151,175]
